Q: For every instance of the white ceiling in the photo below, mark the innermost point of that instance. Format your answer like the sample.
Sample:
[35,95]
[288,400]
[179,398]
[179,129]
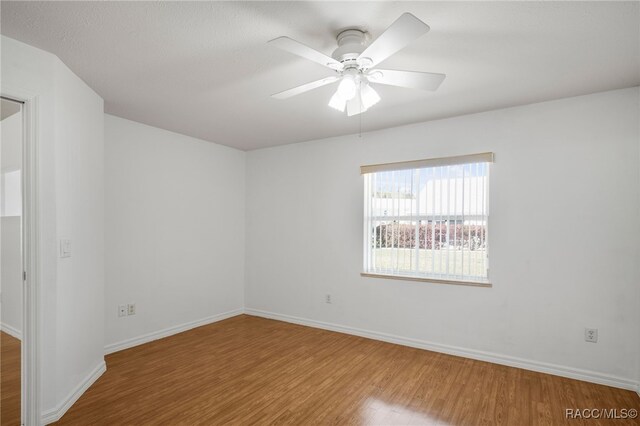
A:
[203,68]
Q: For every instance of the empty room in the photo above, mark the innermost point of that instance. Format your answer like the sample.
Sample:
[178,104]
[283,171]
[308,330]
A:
[310,213]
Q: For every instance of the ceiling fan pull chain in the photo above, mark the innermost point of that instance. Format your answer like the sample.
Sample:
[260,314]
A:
[360,115]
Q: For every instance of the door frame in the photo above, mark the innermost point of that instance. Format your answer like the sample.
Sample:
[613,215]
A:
[30,344]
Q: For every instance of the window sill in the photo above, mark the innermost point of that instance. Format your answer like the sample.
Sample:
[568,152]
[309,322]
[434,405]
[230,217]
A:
[429,280]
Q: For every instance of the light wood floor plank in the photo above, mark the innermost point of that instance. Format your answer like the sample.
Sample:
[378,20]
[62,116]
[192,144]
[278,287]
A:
[9,380]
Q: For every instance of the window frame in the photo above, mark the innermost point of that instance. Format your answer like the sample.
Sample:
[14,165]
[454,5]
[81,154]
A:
[487,157]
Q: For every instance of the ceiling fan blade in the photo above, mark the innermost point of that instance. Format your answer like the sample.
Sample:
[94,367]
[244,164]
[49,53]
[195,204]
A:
[410,79]
[402,32]
[297,48]
[305,87]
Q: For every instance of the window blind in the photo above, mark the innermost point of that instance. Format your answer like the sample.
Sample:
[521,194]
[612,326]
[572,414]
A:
[428,218]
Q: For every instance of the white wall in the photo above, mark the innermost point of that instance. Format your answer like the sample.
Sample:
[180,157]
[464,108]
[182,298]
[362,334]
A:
[70,179]
[10,228]
[79,178]
[174,229]
[563,228]
[11,276]
[11,193]
[11,132]
[11,161]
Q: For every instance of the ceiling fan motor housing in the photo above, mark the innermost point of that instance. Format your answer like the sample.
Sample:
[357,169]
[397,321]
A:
[351,43]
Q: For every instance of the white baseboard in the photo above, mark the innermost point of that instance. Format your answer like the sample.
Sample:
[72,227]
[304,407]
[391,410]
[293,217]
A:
[541,367]
[56,414]
[11,331]
[149,337]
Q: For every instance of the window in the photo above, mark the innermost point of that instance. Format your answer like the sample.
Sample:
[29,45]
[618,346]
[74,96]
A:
[428,219]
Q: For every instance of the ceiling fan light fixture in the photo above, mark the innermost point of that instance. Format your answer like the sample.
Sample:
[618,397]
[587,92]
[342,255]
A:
[369,96]
[337,102]
[355,106]
[347,87]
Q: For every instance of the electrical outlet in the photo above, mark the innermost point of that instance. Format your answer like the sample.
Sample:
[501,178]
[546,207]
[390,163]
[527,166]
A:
[122,310]
[591,335]
[131,309]
[327,298]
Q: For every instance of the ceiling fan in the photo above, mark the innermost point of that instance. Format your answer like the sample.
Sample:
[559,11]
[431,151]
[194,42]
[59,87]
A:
[354,63]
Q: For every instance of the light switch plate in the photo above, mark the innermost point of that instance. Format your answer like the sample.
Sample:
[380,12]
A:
[65,247]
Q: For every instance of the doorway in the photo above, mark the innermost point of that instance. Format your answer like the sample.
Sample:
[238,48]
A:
[11,261]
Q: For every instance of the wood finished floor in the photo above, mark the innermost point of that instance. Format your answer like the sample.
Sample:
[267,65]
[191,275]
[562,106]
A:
[249,370]
[9,380]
